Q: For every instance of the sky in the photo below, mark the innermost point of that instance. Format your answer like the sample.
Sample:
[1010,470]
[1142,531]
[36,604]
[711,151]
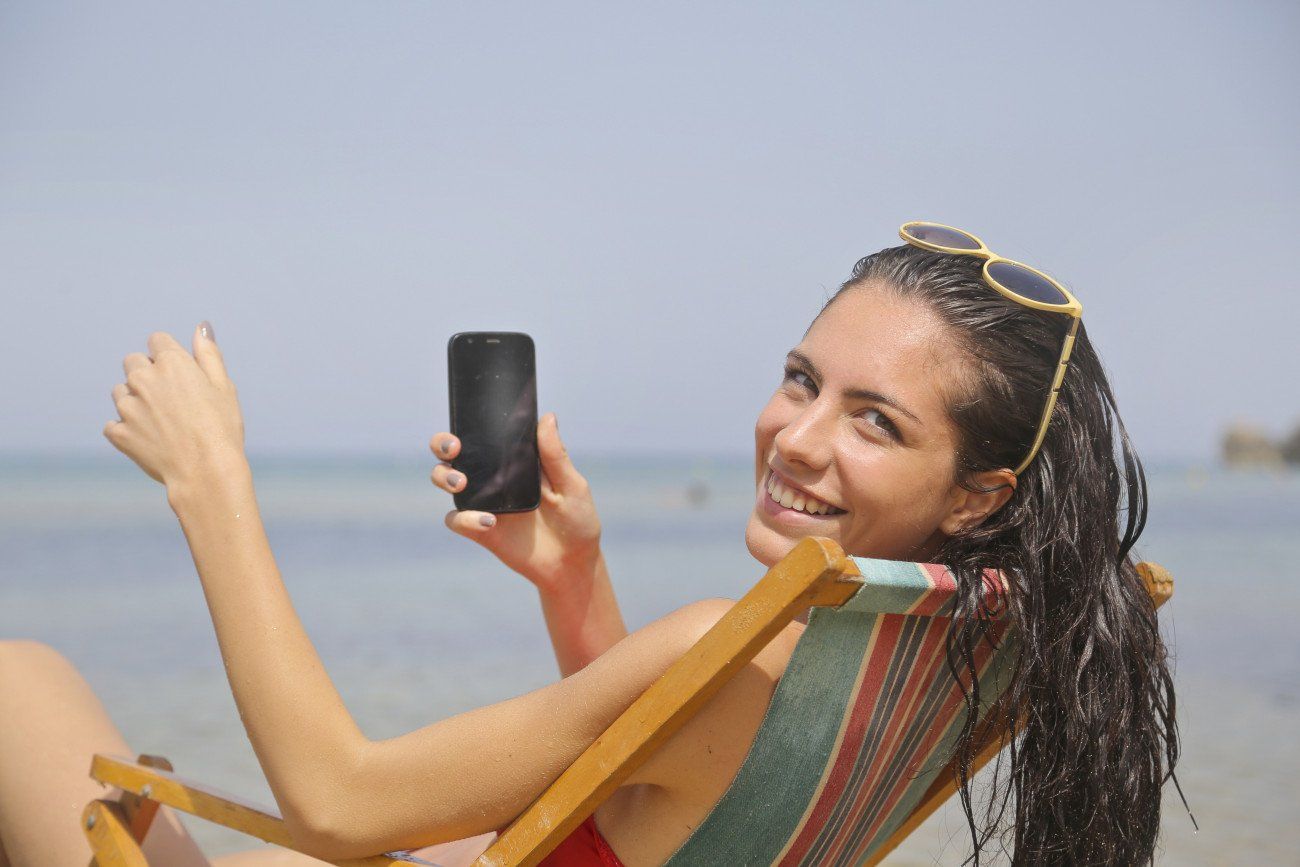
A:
[663,195]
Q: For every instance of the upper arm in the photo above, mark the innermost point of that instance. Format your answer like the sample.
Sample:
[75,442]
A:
[477,771]
[699,761]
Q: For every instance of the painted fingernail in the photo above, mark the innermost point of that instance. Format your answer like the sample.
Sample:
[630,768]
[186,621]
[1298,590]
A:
[454,479]
[488,520]
[445,447]
[205,328]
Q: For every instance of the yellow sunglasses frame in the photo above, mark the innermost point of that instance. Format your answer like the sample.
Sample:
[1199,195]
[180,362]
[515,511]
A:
[1071,308]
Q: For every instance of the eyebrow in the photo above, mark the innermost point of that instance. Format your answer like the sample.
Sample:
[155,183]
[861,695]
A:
[853,393]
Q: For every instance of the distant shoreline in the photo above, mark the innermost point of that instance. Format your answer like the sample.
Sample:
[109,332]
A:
[24,458]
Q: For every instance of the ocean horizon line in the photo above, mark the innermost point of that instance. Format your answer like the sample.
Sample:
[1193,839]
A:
[360,458]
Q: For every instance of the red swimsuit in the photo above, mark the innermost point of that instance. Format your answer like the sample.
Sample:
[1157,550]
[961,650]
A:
[583,848]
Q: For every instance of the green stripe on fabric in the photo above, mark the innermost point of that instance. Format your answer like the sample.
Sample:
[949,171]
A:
[931,711]
[794,745]
[894,682]
[891,587]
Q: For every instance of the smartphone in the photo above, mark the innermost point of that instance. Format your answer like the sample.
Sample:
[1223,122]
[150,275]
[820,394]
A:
[492,385]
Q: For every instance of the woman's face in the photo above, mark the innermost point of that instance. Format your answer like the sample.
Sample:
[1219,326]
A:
[860,422]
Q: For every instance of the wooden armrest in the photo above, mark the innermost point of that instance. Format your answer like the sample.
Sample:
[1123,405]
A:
[152,784]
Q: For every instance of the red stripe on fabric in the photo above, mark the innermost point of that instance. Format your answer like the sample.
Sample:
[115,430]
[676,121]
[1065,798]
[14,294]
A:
[861,707]
[948,714]
[941,589]
[902,722]
[940,576]
[926,664]
[943,584]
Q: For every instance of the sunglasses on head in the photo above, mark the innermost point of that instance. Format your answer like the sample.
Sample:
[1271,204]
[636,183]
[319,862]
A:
[1015,280]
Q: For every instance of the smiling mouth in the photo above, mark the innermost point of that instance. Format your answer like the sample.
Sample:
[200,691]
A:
[799,501]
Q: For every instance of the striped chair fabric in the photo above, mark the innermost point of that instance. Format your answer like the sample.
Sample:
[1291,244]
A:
[863,720]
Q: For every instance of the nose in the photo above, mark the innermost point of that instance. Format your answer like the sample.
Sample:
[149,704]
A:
[807,438]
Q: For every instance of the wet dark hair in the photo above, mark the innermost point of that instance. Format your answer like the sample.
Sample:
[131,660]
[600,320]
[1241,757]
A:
[1089,712]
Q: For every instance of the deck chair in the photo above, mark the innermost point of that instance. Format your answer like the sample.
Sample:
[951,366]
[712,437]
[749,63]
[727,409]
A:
[853,753]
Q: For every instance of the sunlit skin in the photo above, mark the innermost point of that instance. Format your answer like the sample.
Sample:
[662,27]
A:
[892,473]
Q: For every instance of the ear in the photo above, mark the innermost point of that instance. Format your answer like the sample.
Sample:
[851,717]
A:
[969,509]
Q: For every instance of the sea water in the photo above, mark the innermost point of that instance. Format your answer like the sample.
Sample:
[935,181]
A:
[415,623]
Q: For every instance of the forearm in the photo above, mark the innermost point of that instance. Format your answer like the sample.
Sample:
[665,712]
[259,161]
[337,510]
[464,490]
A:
[300,729]
[583,618]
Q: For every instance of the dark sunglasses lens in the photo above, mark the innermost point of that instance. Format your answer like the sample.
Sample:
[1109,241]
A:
[940,236]
[1024,282]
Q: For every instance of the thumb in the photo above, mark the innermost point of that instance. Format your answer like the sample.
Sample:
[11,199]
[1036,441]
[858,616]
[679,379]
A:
[471,524]
[560,471]
[208,354]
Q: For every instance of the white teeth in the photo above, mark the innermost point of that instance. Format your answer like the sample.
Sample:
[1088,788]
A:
[792,499]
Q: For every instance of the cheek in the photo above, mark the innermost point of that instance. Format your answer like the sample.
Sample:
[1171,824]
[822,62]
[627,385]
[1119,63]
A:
[890,512]
[866,496]
[770,422]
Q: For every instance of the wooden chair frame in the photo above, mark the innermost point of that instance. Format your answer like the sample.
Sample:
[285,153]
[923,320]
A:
[816,572]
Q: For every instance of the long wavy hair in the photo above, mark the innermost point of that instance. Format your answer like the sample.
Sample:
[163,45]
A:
[1089,713]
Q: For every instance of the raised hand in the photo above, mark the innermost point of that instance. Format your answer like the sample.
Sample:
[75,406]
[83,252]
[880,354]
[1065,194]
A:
[178,412]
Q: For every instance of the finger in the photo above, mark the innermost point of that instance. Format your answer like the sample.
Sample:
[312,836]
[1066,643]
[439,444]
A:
[128,407]
[208,354]
[445,445]
[118,434]
[113,431]
[564,476]
[121,391]
[448,478]
[471,524]
[135,361]
[160,342]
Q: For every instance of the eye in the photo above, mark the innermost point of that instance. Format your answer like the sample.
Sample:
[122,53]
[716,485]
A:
[792,375]
[884,425]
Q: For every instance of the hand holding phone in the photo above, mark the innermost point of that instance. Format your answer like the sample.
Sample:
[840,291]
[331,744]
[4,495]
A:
[554,546]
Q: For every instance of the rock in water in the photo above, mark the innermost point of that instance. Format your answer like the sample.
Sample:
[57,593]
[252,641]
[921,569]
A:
[1244,445]
[1291,447]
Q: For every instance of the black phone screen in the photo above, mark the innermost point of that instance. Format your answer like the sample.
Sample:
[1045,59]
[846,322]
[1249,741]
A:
[493,390]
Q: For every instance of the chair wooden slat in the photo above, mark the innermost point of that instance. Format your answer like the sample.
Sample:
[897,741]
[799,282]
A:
[140,812]
[108,830]
[206,802]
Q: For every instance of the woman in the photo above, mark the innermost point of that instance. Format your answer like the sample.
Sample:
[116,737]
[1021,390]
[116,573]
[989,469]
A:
[906,426]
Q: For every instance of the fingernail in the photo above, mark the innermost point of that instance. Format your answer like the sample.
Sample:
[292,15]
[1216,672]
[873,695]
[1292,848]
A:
[454,479]
[488,520]
[445,447]
[205,328]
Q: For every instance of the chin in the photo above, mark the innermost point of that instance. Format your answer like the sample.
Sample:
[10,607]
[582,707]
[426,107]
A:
[765,544]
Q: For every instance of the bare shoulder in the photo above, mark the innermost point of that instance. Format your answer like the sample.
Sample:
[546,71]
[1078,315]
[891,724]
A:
[665,799]
[701,759]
